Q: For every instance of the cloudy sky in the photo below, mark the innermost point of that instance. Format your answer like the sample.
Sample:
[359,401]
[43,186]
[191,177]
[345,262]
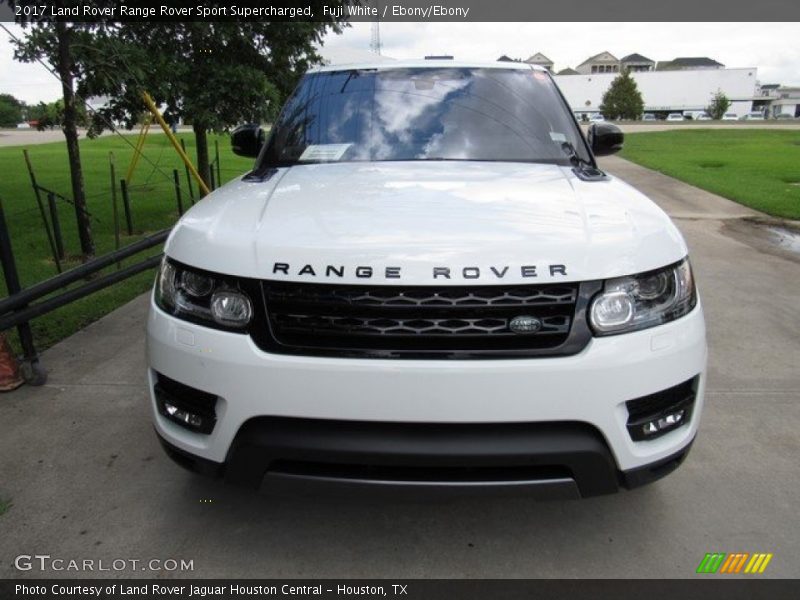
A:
[771,47]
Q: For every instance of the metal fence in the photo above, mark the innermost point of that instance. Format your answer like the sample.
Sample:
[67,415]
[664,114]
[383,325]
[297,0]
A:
[23,305]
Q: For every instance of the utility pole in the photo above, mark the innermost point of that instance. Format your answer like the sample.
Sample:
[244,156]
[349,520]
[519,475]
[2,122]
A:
[375,38]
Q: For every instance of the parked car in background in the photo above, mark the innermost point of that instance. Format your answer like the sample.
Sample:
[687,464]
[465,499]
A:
[730,117]
[649,117]
[675,117]
[597,118]
[703,116]
[752,116]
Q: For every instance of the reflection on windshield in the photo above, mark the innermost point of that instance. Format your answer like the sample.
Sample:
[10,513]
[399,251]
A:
[424,114]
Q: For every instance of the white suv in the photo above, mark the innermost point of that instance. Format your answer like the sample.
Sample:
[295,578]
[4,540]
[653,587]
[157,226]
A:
[426,281]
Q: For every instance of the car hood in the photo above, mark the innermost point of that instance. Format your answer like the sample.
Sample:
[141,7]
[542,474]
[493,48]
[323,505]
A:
[398,222]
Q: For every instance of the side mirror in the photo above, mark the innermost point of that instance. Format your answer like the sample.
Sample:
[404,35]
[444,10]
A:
[605,139]
[247,140]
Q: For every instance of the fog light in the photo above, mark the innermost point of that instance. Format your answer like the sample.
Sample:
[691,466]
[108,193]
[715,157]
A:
[187,406]
[184,416]
[231,308]
[664,424]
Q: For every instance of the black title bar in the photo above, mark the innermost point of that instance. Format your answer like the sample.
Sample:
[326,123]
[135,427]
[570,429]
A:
[710,587]
[400,10]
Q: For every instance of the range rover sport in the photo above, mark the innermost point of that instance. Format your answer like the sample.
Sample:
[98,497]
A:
[426,280]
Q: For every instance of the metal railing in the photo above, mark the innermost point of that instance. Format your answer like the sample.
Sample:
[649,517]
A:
[23,305]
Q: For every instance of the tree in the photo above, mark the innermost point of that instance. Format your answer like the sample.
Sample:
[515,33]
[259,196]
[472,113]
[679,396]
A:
[53,42]
[10,110]
[51,114]
[622,100]
[214,74]
[39,113]
[719,105]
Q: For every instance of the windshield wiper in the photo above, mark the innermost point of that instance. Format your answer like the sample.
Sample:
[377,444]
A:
[580,166]
[350,75]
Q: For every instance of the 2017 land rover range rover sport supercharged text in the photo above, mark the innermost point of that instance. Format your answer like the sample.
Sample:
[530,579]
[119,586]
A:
[426,281]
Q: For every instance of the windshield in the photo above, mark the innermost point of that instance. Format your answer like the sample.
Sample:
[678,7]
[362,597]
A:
[424,114]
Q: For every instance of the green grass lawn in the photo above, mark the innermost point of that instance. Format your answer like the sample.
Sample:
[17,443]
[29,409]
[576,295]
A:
[757,168]
[153,206]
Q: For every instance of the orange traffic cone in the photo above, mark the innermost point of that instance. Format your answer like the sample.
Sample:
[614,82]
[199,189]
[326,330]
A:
[10,378]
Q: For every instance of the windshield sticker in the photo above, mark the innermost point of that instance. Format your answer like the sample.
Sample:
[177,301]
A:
[324,152]
[558,136]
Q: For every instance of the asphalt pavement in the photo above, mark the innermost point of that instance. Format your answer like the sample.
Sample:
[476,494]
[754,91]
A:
[88,480]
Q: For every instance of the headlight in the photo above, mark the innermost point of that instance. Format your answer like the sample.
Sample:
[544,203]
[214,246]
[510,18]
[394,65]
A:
[644,300]
[202,297]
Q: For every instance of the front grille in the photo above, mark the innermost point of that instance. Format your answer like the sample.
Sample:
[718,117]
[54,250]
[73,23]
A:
[290,323]
[399,321]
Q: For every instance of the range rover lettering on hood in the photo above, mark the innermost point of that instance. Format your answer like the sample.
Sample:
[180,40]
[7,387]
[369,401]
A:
[368,272]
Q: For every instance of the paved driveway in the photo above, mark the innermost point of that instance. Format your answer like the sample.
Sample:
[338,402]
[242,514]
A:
[87,479]
[32,137]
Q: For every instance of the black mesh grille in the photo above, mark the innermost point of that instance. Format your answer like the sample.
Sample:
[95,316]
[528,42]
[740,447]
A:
[522,296]
[288,323]
[389,321]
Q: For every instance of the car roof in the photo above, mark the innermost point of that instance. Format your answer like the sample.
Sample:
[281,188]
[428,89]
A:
[431,64]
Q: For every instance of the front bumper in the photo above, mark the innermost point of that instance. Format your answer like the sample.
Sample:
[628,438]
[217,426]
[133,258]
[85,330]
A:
[585,392]
[547,461]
